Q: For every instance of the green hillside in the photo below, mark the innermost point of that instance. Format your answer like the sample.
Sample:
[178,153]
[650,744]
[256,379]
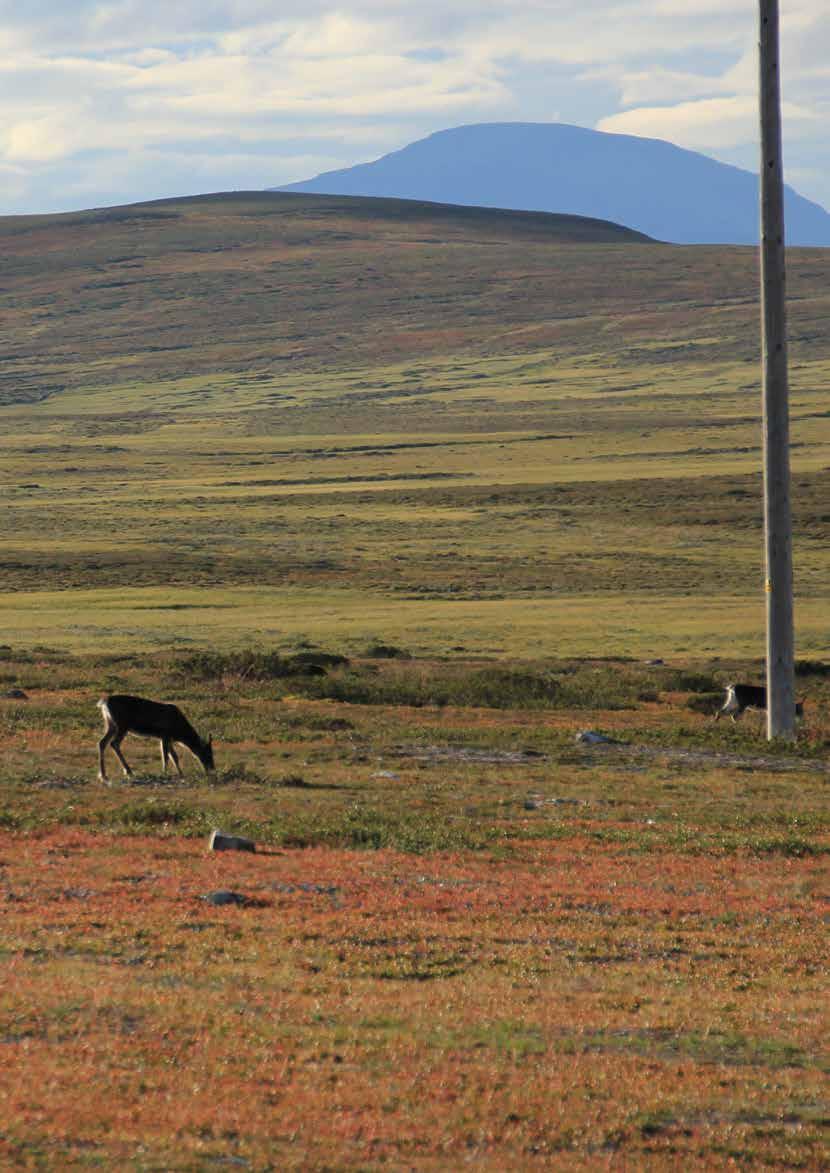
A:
[258,280]
[267,417]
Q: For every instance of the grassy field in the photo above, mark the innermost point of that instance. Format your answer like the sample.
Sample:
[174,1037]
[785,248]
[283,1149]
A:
[334,416]
[569,516]
[500,476]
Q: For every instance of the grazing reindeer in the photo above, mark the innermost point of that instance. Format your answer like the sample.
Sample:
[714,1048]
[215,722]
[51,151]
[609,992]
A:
[740,697]
[133,714]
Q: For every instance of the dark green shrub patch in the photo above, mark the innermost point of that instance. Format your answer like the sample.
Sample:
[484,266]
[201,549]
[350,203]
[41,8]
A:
[705,702]
[692,682]
[249,664]
[387,652]
[495,686]
[811,668]
[321,659]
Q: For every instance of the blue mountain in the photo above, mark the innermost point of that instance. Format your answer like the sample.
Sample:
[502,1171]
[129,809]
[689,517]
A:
[647,184]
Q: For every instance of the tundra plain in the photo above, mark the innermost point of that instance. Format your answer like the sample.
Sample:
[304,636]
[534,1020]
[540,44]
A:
[499,478]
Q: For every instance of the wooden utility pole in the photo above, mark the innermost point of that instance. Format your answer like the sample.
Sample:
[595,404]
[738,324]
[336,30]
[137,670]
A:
[777,518]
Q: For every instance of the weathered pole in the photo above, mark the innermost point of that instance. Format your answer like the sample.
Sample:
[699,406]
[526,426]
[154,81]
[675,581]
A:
[777,518]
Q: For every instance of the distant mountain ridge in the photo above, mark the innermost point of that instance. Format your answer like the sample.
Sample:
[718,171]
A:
[649,185]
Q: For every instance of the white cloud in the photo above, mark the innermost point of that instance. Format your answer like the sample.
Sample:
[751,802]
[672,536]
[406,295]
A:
[709,124]
[35,139]
[14,181]
[86,83]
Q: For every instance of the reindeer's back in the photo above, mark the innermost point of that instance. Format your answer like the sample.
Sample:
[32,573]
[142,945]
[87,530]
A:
[139,715]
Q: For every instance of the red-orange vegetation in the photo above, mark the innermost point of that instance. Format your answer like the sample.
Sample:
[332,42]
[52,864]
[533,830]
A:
[572,1006]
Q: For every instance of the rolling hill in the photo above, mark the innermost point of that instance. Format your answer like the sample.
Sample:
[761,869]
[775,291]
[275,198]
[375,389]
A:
[653,186]
[244,279]
[288,282]
[229,418]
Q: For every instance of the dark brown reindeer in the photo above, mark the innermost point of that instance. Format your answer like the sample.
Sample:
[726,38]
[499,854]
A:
[134,714]
[740,697]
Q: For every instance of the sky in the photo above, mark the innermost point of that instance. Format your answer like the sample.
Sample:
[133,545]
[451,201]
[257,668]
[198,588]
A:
[114,102]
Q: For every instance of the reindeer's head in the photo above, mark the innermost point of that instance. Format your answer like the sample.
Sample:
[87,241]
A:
[206,755]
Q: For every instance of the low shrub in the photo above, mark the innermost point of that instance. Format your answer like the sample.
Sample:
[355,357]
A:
[693,682]
[320,659]
[811,668]
[494,687]
[142,815]
[247,665]
[705,702]
[505,688]
[321,724]
[387,652]
[234,774]
[357,687]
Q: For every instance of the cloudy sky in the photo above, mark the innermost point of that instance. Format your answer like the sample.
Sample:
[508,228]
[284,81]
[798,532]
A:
[109,102]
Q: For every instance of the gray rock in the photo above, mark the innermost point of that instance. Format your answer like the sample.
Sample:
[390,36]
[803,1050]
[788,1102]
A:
[224,896]
[219,841]
[591,737]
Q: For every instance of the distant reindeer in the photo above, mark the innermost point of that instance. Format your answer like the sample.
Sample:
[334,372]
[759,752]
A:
[133,714]
[740,697]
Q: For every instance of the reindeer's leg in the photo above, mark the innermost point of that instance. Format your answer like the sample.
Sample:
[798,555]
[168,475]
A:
[102,745]
[171,750]
[165,747]
[116,745]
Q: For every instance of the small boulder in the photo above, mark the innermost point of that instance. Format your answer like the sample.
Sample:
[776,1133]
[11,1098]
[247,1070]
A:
[15,694]
[591,737]
[219,841]
[224,896]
